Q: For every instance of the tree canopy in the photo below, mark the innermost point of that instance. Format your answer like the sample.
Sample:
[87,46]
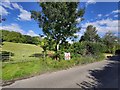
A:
[58,20]
[12,36]
[110,40]
[90,34]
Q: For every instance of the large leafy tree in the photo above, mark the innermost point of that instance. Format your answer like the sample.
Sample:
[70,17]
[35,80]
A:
[110,40]
[90,34]
[58,20]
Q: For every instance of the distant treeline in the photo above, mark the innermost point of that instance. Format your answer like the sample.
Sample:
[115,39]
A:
[12,36]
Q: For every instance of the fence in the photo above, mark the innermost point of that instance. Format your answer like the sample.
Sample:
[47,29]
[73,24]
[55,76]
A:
[8,57]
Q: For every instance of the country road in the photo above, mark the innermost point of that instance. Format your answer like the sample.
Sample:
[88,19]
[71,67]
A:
[103,74]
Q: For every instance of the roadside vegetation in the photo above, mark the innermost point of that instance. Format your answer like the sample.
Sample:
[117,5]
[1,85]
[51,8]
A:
[24,56]
[14,71]
[33,62]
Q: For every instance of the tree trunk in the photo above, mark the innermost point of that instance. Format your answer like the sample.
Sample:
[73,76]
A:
[56,50]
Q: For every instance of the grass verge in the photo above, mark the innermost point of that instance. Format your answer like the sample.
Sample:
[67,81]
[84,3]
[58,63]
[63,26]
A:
[21,70]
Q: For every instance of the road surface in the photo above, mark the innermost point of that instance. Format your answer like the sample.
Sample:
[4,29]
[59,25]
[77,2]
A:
[103,74]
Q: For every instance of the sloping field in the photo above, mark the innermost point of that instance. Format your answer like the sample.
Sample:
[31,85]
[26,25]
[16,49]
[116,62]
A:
[21,51]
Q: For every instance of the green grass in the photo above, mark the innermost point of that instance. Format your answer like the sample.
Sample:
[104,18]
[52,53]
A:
[21,51]
[19,70]
[0,70]
[13,71]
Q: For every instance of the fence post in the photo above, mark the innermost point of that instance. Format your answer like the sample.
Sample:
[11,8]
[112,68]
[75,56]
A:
[9,56]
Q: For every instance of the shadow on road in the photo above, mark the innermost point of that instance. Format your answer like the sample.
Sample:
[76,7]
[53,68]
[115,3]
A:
[107,77]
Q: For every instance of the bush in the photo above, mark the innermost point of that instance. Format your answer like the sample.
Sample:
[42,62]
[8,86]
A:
[87,48]
[112,49]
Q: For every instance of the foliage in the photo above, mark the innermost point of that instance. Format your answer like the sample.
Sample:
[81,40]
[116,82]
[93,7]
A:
[37,65]
[111,42]
[27,69]
[90,34]
[12,36]
[87,48]
[58,20]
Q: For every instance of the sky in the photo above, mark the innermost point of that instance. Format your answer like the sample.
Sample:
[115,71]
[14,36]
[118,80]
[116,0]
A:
[102,15]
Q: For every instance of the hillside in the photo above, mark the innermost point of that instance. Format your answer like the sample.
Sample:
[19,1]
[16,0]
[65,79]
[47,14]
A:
[16,37]
[21,51]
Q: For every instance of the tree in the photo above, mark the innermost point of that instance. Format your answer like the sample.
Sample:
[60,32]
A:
[12,36]
[90,34]
[110,40]
[28,39]
[36,40]
[44,45]
[4,34]
[58,20]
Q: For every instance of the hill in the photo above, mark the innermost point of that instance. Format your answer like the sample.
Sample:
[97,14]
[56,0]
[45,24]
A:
[16,37]
[21,51]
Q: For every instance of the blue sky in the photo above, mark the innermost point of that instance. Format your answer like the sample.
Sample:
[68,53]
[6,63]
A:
[103,15]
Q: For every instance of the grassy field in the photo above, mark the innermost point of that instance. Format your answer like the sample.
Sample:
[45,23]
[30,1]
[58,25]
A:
[21,51]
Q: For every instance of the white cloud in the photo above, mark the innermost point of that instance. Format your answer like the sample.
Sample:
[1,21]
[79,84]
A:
[116,16]
[32,33]
[99,15]
[12,27]
[113,12]
[90,2]
[69,41]
[15,27]
[79,34]
[3,6]
[3,11]
[15,5]
[77,9]
[6,4]
[78,20]
[24,14]
[108,22]
[116,11]
[107,15]
[104,25]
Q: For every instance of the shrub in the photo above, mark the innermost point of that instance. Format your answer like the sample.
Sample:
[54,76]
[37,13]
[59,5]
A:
[87,48]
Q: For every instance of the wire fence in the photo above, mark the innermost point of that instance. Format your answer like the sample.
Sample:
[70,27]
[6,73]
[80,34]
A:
[21,58]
